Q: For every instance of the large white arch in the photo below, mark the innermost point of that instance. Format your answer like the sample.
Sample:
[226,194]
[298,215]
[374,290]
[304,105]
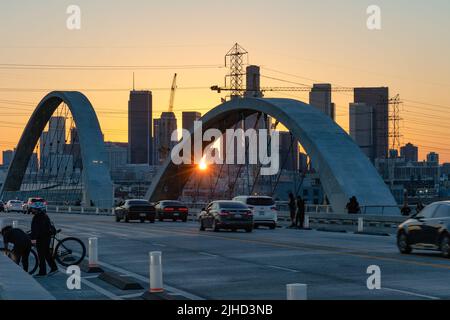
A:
[98,186]
[344,170]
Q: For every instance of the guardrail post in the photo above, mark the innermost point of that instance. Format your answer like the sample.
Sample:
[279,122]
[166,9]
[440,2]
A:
[297,291]
[97,210]
[306,222]
[360,224]
[69,209]
[156,280]
[57,209]
[15,224]
[93,252]
[82,209]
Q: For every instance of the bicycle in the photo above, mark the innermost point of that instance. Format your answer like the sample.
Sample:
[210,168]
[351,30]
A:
[68,252]
[33,260]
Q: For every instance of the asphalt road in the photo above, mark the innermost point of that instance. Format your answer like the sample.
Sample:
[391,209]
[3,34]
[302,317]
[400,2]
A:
[256,266]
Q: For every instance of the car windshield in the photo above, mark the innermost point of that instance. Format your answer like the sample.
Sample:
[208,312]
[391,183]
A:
[138,203]
[37,200]
[232,205]
[15,202]
[260,201]
[172,203]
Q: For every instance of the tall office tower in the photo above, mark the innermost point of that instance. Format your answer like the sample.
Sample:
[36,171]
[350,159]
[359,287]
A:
[289,151]
[140,149]
[56,137]
[361,127]
[433,157]
[320,98]
[164,127]
[410,152]
[156,142]
[378,99]
[8,155]
[188,118]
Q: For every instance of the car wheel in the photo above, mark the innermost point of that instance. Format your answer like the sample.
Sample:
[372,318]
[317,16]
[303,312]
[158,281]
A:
[402,243]
[174,219]
[142,220]
[214,226]
[248,230]
[160,219]
[273,226]
[126,219]
[445,246]
[184,219]
[117,219]
[202,227]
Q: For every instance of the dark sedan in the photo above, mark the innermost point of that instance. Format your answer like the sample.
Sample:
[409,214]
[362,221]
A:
[2,206]
[173,210]
[427,230]
[135,209]
[230,215]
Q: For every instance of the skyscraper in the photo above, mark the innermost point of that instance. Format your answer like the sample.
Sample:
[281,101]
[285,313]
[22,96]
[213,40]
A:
[410,152]
[139,127]
[164,127]
[320,98]
[433,157]
[378,99]
[188,118]
[361,127]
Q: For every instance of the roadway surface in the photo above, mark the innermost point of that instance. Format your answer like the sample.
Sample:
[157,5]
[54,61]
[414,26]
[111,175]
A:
[256,266]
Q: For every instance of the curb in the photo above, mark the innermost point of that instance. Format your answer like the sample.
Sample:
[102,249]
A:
[121,282]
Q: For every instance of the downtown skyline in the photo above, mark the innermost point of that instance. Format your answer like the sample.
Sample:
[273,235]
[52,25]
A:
[316,43]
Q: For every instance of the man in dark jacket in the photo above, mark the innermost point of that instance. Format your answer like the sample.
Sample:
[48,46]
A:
[41,232]
[21,242]
[292,208]
[300,218]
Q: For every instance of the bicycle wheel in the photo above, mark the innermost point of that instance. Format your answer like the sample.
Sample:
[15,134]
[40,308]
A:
[33,262]
[70,251]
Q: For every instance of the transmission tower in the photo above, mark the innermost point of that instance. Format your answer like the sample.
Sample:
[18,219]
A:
[236,59]
[394,119]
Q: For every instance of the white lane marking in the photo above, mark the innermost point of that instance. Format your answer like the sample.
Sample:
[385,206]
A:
[132,295]
[159,245]
[411,293]
[146,280]
[284,269]
[91,285]
[208,254]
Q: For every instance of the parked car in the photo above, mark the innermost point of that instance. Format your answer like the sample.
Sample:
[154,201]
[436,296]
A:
[26,207]
[170,209]
[264,210]
[135,209]
[230,215]
[13,206]
[2,206]
[427,230]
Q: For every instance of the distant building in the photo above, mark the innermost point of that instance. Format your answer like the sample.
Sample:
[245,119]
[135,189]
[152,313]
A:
[361,127]
[8,156]
[117,155]
[188,119]
[289,152]
[163,128]
[410,152]
[253,82]
[433,157]
[445,169]
[320,98]
[140,127]
[378,100]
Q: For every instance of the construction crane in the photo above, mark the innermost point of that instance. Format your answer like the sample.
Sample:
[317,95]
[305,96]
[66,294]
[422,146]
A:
[172,92]
[286,89]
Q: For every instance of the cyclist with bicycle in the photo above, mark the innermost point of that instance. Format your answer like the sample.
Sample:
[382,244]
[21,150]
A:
[21,242]
[42,231]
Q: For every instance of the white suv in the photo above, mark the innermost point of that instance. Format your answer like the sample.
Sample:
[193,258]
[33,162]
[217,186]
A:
[264,210]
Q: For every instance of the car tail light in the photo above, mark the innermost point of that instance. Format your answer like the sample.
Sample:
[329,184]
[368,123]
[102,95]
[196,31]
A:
[168,209]
[249,213]
[274,208]
[224,213]
[183,209]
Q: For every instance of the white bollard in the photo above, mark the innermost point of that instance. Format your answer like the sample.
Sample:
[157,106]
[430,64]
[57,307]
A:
[97,210]
[82,209]
[297,291]
[57,209]
[306,223]
[15,224]
[70,209]
[93,252]
[360,225]
[156,280]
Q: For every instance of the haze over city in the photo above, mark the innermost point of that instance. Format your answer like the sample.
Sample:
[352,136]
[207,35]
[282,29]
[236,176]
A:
[295,42]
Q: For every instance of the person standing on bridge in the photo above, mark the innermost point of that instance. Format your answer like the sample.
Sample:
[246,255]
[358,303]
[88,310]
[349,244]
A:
[292,209]
[300,218]
[41,233]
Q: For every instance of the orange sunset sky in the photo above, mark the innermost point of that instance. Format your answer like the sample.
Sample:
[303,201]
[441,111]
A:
[298,41]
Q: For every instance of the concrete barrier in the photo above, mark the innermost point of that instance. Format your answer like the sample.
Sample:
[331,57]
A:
[16,284]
